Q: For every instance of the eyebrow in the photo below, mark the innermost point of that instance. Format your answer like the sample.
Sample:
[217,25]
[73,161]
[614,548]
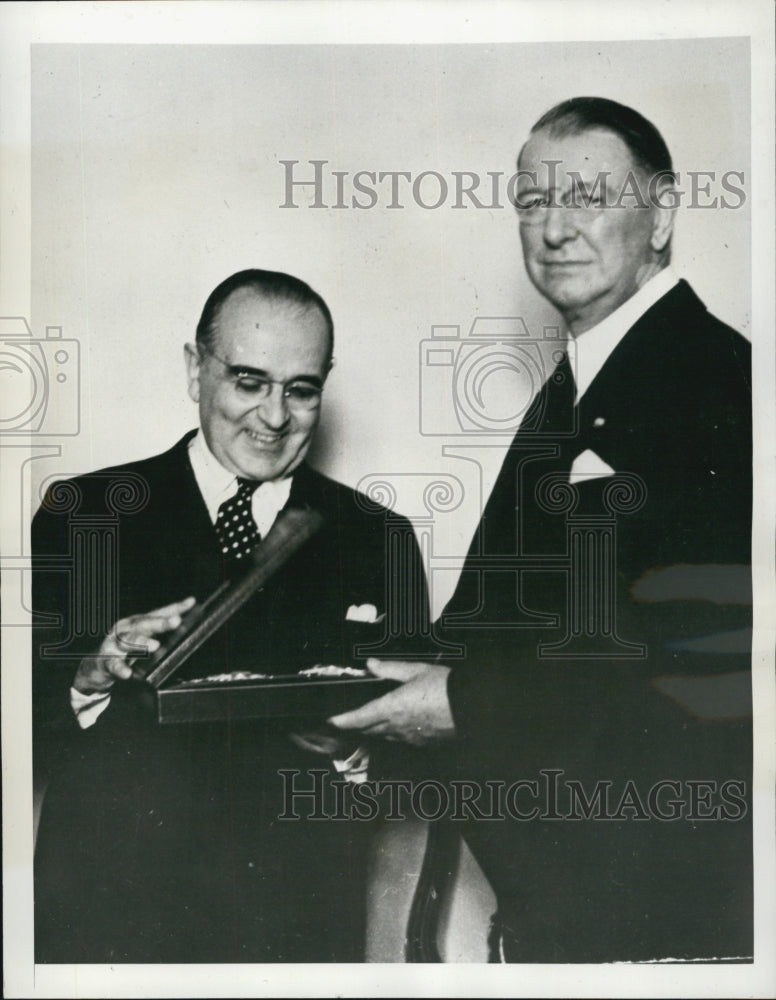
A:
[236,370]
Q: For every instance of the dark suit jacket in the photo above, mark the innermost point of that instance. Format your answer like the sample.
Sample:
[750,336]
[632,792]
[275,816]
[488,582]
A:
[648,681]
[161,842]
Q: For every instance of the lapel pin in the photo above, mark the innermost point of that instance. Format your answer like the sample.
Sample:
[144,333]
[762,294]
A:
[599,422]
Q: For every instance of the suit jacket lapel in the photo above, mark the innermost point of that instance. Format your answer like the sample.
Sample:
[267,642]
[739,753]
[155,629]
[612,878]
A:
[186,534]
[642,359]
[192,508]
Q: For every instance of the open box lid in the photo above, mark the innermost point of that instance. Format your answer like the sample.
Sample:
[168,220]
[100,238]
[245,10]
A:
[309,694]
[292,528]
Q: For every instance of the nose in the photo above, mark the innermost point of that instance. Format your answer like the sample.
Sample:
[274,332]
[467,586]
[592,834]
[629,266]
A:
[559,225]
[274,409]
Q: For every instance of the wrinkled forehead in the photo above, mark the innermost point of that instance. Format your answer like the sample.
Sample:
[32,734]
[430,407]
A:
[273,334]
[550,159]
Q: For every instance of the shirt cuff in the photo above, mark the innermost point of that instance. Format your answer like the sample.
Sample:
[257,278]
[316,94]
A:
[354,768]
[88,707]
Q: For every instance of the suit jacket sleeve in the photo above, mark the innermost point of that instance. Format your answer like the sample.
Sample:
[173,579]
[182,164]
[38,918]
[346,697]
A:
[56,653]
[682,589]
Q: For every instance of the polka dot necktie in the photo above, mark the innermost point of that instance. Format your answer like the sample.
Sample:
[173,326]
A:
[235,527]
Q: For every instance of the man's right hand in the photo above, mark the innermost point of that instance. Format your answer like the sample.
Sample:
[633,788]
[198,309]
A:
[129,638]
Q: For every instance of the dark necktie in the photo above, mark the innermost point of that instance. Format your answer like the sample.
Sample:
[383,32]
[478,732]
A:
[235,527]
[537,449]
[551,414]
[549,424]
[543,444]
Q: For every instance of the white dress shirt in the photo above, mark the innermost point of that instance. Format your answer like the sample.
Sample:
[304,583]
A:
[589,351]
[216,484]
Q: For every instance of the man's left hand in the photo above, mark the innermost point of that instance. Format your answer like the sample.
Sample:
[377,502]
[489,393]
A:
[418,712]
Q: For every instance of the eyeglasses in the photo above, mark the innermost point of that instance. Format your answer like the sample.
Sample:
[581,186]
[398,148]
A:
[579,204]
[251,383]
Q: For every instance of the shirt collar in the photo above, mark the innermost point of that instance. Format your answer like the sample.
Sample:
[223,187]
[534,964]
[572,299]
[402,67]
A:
[589,351]
[217,484]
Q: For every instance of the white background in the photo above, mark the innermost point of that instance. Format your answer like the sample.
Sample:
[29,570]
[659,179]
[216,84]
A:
[135,180]
[156,173]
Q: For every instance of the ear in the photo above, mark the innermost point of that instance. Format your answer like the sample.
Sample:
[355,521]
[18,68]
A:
[193,365]
[665,199]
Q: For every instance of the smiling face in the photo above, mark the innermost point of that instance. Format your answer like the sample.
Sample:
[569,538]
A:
[587,256]
[256,434]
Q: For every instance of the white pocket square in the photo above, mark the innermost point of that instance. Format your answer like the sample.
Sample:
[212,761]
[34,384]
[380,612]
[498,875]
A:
[363,613]
[588,465]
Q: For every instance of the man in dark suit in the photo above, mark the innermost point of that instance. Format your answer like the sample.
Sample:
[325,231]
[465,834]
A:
[162,842]
[604,606]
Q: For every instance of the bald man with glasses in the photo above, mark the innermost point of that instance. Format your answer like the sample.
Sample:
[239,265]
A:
[162,843]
